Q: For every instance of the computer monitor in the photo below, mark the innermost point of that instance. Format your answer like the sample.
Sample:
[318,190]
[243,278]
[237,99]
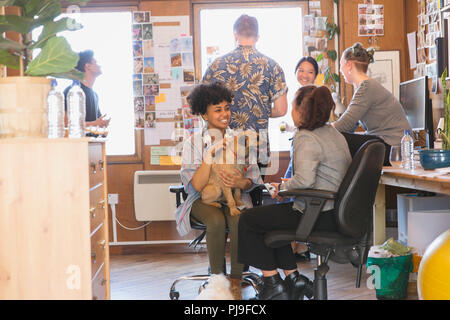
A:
[416,102]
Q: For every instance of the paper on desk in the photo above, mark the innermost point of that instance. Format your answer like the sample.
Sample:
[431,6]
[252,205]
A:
[441,173]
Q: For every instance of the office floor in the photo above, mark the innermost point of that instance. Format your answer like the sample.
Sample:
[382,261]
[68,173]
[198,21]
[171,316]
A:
[150,276]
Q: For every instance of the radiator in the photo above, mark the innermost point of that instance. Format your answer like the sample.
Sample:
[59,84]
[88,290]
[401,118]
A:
[152,199]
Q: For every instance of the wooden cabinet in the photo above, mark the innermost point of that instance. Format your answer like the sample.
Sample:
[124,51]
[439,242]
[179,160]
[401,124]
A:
[98,214]
[53,222]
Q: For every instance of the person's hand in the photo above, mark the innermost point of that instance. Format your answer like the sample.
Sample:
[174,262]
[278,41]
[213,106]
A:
[277,189]
[232,180]
[102,122]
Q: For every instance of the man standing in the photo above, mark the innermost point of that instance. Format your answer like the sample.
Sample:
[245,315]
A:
[92,70]
[256,81]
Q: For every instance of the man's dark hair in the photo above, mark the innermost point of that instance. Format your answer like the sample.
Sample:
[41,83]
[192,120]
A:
[204,95]
[246,26]
[84,57]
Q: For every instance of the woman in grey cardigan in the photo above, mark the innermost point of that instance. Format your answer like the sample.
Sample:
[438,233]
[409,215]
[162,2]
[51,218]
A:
[372,106]
[320,161]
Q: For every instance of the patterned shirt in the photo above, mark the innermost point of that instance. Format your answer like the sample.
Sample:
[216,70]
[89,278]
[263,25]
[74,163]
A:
[193,150]
[255,80]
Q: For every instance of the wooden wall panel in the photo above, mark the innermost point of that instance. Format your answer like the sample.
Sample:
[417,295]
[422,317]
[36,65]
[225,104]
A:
[394,33]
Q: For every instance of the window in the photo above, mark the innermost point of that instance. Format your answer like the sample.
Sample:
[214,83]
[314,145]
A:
[108,34]
[280,30]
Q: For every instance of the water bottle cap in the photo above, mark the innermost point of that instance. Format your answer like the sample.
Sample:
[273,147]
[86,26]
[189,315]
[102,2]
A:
[407,132]
[54,83]
[76,82]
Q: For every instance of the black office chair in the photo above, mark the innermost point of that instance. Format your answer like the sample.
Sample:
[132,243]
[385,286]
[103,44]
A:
[248,278]
[353,205]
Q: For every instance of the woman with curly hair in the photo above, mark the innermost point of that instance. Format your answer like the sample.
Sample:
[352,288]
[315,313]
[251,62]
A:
[211,102]
[372,106]
[320,160]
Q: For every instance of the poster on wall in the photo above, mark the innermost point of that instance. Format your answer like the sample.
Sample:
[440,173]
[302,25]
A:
[370,20]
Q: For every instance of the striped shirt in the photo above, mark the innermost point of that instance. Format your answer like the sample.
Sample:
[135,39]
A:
[193,149]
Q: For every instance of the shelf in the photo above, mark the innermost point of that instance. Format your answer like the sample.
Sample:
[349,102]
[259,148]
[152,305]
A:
[445,9]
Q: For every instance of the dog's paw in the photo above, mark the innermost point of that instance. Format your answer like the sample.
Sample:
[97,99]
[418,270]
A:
[235,211]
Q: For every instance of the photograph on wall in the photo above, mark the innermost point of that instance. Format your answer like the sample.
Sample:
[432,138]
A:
[147,48]
[149,65]
[137,32]
[147,31]
[175,59]
[151,78]
[150,119]
[138,104]
[150,104]
[137,49]
[141,16]
[370,20]
[138,65]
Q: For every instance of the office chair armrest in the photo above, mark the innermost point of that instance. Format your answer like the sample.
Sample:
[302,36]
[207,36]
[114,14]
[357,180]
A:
[176,189]
[323,194]
[314,201]
[179,192]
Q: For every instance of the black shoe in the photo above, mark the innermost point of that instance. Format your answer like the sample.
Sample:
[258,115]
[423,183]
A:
[304,256]
[299,286]
[273,288]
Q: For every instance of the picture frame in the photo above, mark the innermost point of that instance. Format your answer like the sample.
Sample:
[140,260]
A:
[386,70]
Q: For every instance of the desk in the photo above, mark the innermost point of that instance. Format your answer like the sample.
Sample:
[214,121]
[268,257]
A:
[437,180]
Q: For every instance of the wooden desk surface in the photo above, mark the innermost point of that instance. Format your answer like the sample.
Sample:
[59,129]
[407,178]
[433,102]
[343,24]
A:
[437,180]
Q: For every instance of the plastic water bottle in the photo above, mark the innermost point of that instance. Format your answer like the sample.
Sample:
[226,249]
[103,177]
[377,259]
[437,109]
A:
[55,112]
[76,101]
[407,146]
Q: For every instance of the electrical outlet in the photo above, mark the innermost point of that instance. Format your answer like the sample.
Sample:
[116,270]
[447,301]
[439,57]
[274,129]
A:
[113,198]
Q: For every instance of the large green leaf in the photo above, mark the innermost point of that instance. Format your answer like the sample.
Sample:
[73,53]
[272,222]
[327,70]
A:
[9,44]
[56,57]
[9,59]
[51,28]
[15,23]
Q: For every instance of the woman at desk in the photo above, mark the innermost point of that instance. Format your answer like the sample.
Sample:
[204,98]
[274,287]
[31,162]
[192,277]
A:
[372,106]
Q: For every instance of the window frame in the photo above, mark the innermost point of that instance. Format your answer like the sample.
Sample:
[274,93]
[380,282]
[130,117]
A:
[138,156]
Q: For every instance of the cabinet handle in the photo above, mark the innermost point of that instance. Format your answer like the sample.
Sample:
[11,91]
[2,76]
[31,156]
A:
[103,282]
[92,211]
[101,162]
[94,256]
[93,166]
[102,243]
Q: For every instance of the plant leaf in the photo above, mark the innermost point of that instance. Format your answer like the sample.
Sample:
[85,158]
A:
[9,60]
[15,23]
[51,28]
[332,54]
[10,44]
[319,57]
[336,78]
[56,57]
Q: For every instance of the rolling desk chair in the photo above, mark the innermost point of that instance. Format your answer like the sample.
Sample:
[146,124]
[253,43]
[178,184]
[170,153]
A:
[353,204]
[249,278]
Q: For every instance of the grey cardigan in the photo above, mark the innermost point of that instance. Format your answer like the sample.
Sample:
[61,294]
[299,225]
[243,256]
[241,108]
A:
[320,159]
[378,112]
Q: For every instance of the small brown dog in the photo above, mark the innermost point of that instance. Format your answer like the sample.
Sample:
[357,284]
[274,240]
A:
[228,159]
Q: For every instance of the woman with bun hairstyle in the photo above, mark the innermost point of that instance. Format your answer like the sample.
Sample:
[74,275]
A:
[320,160]
[372,106]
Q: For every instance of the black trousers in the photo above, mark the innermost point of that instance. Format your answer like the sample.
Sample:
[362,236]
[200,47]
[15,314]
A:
[255,222]
[355,141]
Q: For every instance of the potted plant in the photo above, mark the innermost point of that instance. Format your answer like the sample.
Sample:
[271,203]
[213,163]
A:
[23,104]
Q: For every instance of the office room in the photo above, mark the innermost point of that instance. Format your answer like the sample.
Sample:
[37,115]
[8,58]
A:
[342,194]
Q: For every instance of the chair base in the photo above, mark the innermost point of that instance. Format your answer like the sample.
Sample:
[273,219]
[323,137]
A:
[248,278]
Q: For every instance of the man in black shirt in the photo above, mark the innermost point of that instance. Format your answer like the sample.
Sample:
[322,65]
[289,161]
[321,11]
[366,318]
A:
[92,70]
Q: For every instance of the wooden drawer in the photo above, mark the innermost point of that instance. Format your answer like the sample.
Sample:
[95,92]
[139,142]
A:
[98,248]
[96,164]
[99,285]
[96,207]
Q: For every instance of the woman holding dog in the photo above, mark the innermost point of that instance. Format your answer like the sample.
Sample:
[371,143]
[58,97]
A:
[211,102]
[320,160]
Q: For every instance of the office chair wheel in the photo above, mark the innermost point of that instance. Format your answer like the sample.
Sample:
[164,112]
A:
[174,295]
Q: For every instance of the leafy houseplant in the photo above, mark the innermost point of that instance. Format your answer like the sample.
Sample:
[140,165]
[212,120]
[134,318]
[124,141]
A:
[446,93]
[23,107]
[56,57]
